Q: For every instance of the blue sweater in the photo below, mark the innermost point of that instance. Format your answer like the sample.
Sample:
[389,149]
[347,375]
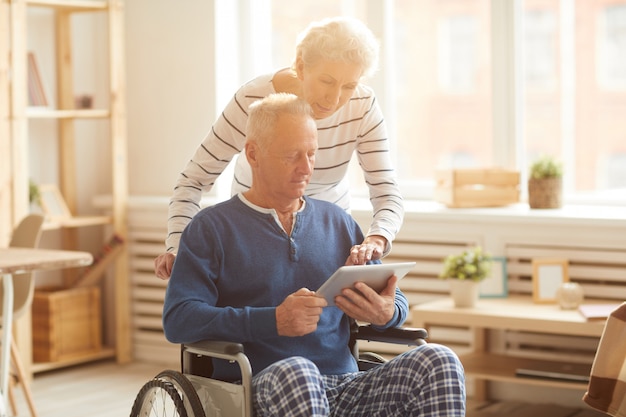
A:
[236,264]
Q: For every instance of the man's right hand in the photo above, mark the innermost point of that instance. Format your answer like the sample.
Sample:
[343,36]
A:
[163,265]
[299,314]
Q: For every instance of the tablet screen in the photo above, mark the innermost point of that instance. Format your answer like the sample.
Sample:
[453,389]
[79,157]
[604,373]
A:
[375,276]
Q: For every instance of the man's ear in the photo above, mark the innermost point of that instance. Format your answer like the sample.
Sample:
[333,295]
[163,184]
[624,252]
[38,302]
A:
[252,153]
[299,67]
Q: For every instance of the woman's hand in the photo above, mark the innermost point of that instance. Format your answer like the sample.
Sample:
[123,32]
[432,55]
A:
[163,265]
[372,248]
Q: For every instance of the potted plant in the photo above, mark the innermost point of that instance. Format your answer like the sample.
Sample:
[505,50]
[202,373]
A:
[34,197]
[465,271]
[545,183]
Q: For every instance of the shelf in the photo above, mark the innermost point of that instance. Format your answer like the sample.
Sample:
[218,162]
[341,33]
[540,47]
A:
[52,35]
[47,113]
[70,5]
[104,353]
[517,313]
[512,313]
[78,221]
[493,367]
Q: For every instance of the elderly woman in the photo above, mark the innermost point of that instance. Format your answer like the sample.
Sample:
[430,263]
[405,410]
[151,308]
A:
[333,56]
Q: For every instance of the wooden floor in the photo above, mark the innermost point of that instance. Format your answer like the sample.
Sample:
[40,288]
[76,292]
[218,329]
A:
[106,389]
[101,389]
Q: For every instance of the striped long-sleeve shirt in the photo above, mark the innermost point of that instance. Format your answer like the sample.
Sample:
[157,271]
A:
[357,126]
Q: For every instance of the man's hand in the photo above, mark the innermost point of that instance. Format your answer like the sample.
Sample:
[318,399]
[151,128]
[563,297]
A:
[366,305]
[163,265]
[372,248]
[299,314]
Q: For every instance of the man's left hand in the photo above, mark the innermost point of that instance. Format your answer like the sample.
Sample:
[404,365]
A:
[365,304]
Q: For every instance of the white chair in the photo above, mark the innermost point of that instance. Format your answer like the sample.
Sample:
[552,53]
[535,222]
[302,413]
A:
[25,235]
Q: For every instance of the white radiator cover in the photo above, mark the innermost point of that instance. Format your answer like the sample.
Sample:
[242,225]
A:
[593,241]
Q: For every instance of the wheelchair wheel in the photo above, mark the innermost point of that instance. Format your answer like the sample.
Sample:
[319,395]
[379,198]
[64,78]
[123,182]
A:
[158,398]
[186,390]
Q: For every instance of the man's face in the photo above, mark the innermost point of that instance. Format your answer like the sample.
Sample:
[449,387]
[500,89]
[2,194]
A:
[328,85]
[286,163]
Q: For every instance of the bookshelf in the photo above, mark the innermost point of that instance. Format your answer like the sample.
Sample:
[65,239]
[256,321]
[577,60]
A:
[31,90]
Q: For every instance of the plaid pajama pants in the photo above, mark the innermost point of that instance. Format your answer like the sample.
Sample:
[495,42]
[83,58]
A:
[427,381]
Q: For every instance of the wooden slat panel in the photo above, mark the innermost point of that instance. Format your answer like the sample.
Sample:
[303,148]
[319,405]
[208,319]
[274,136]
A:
[143,265]
[148,279]
[149,248]
[578,253]
[147,308]
[426,250]
[581,344]
[147,293]
[147,322]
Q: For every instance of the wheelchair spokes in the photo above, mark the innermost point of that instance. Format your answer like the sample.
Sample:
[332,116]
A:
[158,398]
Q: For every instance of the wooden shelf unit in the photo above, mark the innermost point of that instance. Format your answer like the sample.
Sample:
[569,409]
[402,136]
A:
[511,313]
[15,116]
[78,221]
[104,353]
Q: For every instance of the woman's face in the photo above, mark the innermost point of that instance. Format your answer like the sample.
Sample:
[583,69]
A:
[328,85]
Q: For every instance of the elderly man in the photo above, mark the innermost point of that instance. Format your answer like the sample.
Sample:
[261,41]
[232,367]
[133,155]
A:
[246,272]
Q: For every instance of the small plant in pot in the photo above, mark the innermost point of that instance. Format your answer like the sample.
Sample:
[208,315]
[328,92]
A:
[34,196]
[545,183]
[465,271]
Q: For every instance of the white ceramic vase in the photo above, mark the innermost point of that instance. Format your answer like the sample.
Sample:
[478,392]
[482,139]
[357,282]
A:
[570,295]
[464,292]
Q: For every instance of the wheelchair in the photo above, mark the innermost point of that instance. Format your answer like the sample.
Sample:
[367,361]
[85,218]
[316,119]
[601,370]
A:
[193,393]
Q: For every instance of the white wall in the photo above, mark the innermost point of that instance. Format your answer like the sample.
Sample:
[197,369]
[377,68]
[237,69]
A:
[170,88]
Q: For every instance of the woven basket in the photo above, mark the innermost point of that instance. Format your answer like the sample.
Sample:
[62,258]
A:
[544,192]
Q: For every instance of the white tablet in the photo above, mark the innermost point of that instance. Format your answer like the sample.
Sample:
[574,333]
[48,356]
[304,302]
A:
[375,276]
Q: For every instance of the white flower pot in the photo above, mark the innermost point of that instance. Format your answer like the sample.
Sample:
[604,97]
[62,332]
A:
[464,292]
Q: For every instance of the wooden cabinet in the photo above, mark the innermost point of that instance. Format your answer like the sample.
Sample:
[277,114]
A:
[62,118]
[517,313]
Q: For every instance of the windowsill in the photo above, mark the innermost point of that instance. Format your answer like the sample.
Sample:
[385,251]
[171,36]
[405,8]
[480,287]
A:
[569,214]
[607,216]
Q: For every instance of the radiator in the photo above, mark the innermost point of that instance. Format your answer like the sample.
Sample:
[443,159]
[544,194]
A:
[147,228]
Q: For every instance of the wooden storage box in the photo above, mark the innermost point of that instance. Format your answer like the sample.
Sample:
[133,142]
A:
[477,187]
[67,323]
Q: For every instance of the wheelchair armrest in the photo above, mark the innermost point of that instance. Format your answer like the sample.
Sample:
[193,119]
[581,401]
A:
[398,335]
[211,347]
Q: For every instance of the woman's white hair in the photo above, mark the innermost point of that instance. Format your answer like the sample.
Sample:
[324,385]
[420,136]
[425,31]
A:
[263,115]
[339,39]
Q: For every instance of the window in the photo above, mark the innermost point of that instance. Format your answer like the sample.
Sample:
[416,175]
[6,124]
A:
[541,53]
[443,92]
[612,47]
[457,53]
[437,88]
[440,75]
[575,94]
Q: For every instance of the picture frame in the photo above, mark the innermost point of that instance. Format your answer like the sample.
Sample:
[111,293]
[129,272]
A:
[53,204]
[548,275]
[496,284]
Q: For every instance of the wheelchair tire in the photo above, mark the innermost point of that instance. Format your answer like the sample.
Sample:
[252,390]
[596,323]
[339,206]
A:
[186,390]
[158,398]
